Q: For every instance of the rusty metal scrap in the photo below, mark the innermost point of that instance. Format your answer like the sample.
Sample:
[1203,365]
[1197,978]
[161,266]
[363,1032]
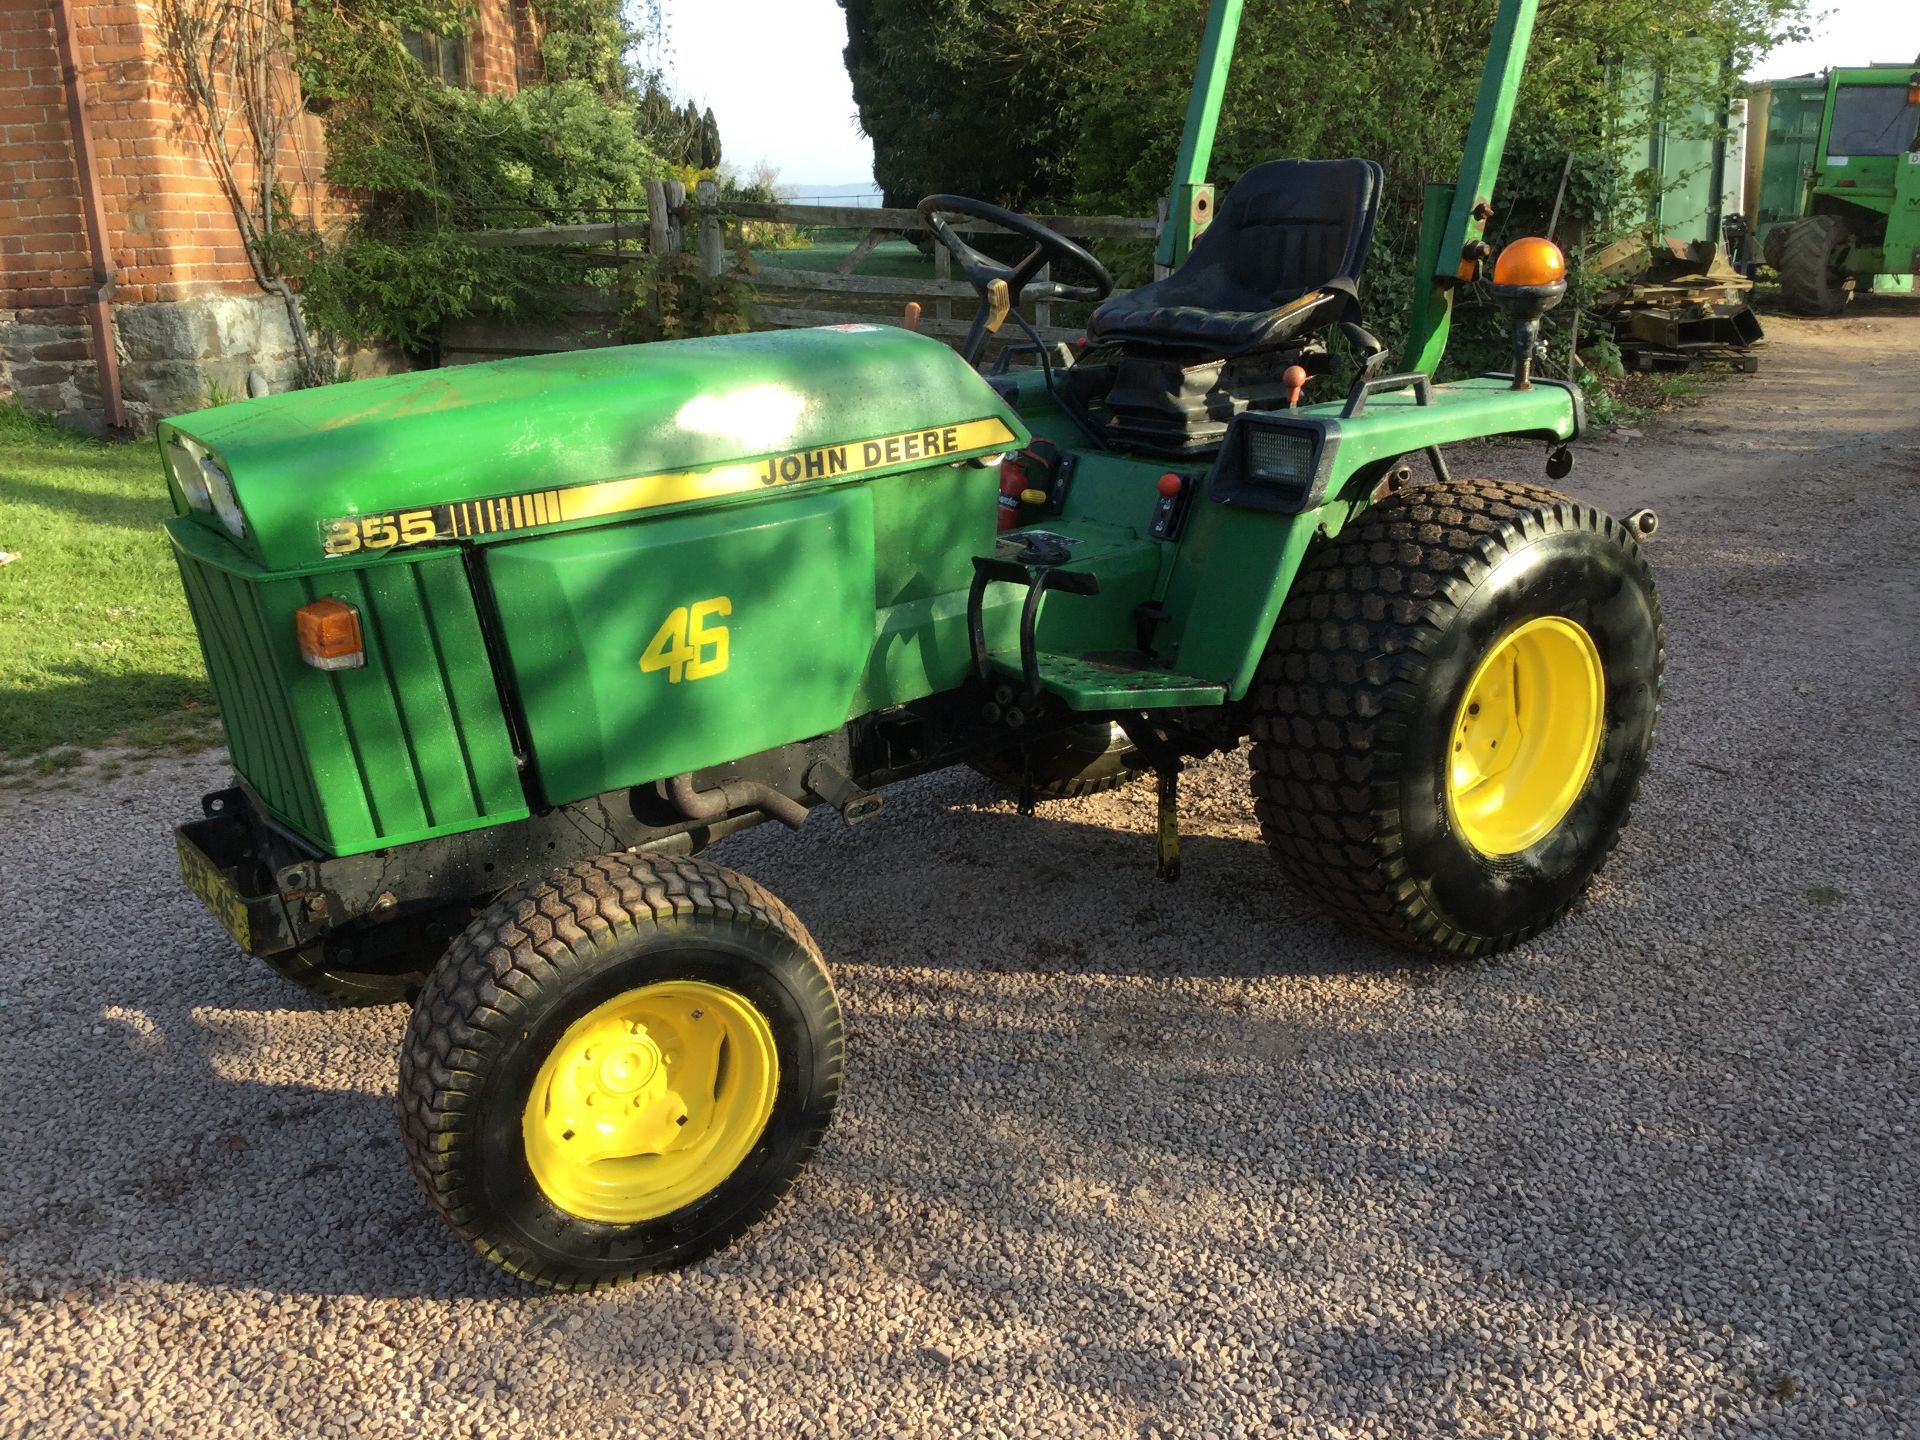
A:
[1677,306]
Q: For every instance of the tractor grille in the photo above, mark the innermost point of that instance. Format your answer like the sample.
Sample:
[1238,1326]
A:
[255,705]
[411,746]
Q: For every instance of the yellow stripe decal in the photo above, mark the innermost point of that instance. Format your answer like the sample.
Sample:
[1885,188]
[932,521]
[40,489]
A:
[828,462]
[354,533]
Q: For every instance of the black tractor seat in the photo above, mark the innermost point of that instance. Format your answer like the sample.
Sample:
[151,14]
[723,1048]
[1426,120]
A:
[1281,261]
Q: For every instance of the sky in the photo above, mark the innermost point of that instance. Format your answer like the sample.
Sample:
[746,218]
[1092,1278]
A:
[1853,32]
[773,72]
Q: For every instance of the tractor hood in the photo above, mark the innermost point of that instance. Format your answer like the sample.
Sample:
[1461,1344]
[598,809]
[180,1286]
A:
[554,440]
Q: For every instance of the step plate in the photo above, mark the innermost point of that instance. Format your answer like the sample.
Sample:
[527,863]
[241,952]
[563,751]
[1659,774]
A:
[1104,681]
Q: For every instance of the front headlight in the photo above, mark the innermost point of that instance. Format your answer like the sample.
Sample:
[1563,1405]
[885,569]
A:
[184,461]
[225,503]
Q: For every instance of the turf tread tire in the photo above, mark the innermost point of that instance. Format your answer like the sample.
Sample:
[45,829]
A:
[533,938]
[1809,284]
[1333,696]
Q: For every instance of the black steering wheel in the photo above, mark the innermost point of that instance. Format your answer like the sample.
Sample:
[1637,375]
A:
[982,271]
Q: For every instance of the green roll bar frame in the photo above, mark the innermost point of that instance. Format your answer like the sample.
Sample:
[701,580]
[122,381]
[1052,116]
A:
[1454,215]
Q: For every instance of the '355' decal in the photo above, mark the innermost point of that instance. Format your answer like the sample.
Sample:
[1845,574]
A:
[353,533]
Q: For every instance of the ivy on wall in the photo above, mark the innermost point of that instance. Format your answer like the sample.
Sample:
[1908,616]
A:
[430,164]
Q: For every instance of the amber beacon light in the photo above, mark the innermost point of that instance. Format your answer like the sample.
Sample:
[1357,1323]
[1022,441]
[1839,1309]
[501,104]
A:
[1529,279]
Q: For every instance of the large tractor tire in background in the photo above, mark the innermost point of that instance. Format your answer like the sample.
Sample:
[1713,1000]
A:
[1454,713]
[1080,760]
[1811,279]
[1774,243]
[619,1069]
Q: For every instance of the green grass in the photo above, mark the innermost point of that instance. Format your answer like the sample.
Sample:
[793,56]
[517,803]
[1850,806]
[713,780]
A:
[896,257]
[94,629]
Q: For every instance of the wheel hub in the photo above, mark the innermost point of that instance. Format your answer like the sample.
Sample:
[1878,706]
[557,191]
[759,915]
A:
[1525,735]
[650,1100]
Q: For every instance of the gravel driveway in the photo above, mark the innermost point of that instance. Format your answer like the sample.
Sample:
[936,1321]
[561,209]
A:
[1115,1158]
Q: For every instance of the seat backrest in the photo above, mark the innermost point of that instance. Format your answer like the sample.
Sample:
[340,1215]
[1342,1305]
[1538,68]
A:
[1287,227]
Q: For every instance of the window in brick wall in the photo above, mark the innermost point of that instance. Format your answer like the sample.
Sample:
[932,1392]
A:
[444,56]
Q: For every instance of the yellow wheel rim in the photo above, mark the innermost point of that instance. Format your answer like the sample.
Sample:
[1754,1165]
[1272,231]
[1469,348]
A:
[1525,735]
[650,1100]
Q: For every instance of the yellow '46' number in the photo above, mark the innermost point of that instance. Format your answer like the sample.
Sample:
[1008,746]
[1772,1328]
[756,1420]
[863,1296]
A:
[686,645]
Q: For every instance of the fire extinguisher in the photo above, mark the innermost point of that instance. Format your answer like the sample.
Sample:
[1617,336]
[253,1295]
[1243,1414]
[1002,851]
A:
[1026,477]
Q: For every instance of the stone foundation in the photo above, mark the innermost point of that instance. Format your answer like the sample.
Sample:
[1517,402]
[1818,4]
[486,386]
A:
[46,365]
[175,357]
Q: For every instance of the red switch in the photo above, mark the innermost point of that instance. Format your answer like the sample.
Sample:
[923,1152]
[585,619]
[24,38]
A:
[1170,484]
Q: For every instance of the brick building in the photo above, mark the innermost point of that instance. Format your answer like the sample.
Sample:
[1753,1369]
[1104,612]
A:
[102,157]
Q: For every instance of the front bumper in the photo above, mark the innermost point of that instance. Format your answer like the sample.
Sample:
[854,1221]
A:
[274,893]
[223,862]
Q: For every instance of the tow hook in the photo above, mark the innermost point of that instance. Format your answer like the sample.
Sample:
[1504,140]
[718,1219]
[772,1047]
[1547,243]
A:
[824,779]
[1643,523]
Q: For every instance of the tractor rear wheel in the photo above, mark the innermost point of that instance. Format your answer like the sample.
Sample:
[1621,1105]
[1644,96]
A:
[619,1069]
[1080,760]
[1812,280]
[1453,716]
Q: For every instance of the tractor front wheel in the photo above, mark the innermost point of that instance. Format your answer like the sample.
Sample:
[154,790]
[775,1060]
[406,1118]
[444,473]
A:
[1087,759]
[327,969]
[1813,280]
[1454,713]
[374,964]
[619,1069]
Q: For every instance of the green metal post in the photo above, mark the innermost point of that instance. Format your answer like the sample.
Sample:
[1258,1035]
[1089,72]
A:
[1432,303]
[1196,140]
[1442,253]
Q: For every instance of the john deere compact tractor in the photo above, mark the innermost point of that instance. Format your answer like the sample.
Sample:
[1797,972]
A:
[501,649]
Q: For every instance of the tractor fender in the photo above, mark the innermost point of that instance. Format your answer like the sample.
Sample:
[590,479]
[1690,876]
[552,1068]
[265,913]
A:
[1284,478]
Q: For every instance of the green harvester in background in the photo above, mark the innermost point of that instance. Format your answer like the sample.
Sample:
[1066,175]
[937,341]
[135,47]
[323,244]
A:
[500,649]
[1852,199]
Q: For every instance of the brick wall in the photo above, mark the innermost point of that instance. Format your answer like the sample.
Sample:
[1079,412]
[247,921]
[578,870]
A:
[43,250]
[505,46]
[171,230]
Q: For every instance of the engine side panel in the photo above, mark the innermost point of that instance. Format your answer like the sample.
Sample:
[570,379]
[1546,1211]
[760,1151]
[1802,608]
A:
[662,646]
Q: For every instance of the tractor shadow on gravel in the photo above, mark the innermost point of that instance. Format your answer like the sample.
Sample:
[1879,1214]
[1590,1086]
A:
[1035,933]
[989,890]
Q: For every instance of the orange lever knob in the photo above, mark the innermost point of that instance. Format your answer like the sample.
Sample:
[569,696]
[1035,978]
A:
[1169,485]
[1294,377]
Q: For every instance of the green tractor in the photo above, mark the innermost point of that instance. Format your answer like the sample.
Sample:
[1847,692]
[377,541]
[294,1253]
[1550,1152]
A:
[501,649]
[1860,208]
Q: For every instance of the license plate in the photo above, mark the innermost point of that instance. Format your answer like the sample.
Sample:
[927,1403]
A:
[216,891]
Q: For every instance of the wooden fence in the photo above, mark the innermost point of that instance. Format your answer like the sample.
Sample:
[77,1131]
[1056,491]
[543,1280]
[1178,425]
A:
[789,297]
